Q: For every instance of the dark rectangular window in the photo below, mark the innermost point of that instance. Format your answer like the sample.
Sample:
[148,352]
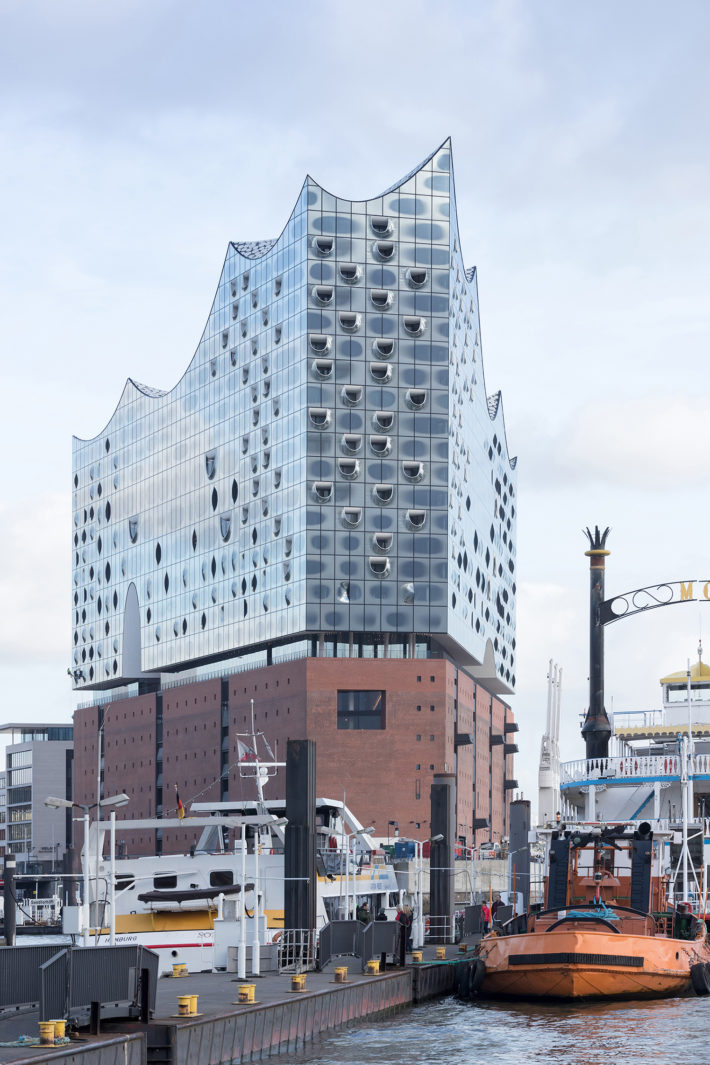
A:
[361,710]
[164,882]
[221,878]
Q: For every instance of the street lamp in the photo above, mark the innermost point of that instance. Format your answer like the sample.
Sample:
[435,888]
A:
[348,836]
[418,923]
[113,800]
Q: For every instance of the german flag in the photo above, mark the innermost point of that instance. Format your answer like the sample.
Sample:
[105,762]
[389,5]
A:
[180,807]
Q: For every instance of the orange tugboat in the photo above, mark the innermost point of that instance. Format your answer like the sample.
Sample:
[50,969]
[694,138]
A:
[607,930]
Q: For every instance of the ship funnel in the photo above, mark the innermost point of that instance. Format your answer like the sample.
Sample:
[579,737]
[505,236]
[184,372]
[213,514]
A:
[596,728]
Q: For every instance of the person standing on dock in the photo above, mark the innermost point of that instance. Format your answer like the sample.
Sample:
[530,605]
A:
[485,918]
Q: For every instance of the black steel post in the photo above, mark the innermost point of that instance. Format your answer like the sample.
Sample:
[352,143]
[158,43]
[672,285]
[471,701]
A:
[596,729]
[10,915]
[519,850]
[300,851]
[441,855]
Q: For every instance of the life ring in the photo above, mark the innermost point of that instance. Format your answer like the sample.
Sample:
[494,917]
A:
[277,936]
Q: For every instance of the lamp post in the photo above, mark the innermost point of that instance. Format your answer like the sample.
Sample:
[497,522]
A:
[350,836]
[113,800]
[418,923]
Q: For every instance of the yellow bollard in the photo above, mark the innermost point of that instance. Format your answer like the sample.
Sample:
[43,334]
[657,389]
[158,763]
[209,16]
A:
[416,956]
[179,969]
[184,1005]
[298,982]
[46,1033]
[59,1029]
[193,1003]
[245,994]
[463,948]
[440,953]
[341,974]
[373,967]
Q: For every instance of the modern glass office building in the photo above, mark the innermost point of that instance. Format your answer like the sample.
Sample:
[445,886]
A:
[329,471]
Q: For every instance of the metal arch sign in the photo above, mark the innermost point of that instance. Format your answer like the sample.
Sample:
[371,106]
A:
[656,595]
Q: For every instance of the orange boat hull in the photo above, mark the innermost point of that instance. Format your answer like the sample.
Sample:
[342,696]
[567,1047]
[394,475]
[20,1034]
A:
[576,964]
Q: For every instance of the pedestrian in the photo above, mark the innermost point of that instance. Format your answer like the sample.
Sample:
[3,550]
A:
[363,912]
[381,916]
[408,922]
[485,918]
[497,903]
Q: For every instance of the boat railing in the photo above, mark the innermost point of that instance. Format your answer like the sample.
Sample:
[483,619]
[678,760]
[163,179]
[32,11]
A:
[647,766]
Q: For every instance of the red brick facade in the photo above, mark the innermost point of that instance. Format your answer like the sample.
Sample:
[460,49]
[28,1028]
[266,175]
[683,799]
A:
[385,774]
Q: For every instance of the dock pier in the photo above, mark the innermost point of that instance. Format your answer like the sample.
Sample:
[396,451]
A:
[279,1021]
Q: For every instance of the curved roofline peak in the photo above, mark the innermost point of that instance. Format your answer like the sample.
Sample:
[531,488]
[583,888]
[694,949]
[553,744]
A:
[446,141]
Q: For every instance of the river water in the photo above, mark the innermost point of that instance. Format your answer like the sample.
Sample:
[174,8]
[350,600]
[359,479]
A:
[447,1032]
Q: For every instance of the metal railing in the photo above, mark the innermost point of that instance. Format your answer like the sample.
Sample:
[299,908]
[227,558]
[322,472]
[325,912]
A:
[298,950]
[74,977]
[656,767]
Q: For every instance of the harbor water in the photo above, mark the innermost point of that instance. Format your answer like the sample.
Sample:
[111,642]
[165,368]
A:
[447,1032]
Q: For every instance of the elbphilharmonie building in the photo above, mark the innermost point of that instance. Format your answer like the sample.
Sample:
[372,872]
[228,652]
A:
[329,471]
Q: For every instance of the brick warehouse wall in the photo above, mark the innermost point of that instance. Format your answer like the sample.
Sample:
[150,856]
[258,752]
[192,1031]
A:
[386,774]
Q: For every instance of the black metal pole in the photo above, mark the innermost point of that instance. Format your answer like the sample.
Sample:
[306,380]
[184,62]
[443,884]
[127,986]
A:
[596,729]
[10,916]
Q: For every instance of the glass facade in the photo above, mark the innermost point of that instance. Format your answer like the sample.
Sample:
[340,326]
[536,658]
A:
[328,464]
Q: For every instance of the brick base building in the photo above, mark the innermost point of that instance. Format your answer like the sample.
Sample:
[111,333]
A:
[383,728]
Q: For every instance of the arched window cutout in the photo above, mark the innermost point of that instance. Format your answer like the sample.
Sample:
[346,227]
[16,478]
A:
[382,348]
[322,369]
[211,464]
[158,552]
[383,494]
[320,343]
[415,519]
[379,567]
[407,592]
[323,294]
[381,372]
[133,529]
[343,593]
[381,225]
[382,541]
[349,321]
[349,468]
[194,539]
[288,546]
[416,277]
[413,471]
[351,517]
[322,490]
[416,398]
[350,273]
[235,491]
[383,419]
[414,324]
[384,249]
[320,417]
[381,445]
[225,526]
[381,298]
[235,309]
[215,499]
[351,395]
[323,245]
[351,443]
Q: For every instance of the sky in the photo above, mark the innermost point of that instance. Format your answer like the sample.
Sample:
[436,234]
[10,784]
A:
[137,139]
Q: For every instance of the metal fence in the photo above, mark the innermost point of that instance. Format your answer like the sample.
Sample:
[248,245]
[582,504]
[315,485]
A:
[339,939]
[380,937]
[20,973]
[73,978]
[298,950]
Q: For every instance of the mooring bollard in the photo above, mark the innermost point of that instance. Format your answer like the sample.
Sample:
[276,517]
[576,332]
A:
[245,994]
[440,953]
[184,1005]
[416,956]
[298,982]
[341,974]
[59,1029]
[46,1033]
[373,967]
[193,1003]
[463,948]
[179,969]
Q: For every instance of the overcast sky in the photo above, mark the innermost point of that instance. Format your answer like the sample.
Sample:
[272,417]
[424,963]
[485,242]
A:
[137,139]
